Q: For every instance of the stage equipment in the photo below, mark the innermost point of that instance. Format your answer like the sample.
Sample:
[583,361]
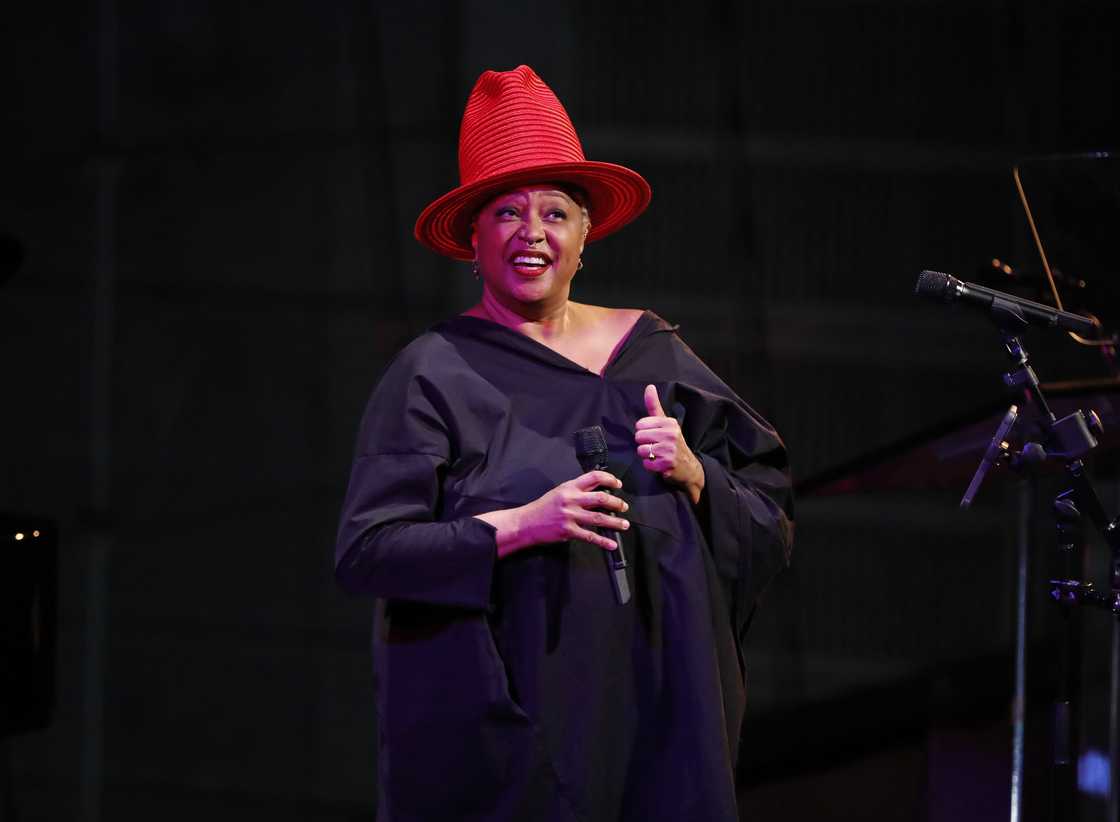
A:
[1068,439]
[997,449]
[1072,206]
[1074,202]
[28,601]
[1007,309]
[943,457]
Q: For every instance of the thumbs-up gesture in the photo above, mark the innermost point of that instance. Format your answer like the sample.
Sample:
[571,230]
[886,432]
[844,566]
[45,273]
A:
[662,448]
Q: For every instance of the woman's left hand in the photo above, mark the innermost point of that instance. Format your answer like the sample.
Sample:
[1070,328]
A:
[662,448]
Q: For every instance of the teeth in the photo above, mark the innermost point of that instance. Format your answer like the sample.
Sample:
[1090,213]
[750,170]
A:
[526,259]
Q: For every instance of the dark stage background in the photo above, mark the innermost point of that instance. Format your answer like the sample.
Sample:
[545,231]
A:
[215,202]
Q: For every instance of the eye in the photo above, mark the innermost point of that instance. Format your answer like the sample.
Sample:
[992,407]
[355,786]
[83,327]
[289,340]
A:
[505,211]
[557,214]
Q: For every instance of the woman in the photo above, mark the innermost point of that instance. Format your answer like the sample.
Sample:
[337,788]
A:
[511,684]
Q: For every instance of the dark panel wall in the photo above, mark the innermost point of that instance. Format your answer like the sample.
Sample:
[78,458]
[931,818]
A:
[216,201]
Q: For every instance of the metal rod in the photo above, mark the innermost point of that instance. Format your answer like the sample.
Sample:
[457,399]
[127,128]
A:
[1113,715]
[1018,707]
[1114,700]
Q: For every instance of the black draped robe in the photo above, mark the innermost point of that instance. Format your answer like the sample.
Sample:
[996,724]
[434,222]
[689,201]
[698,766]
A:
[519,689]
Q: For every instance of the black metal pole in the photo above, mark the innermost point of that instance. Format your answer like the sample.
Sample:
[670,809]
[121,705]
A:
[1113,736]
[1063,773]
[1026,495]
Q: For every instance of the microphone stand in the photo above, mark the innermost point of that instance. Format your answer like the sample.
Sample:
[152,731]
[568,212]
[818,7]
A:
[1070,439]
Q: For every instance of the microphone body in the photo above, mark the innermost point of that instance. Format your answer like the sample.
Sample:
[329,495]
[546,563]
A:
[1006,307]
[591,449]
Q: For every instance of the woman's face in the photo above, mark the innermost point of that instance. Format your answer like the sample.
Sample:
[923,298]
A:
[528,242]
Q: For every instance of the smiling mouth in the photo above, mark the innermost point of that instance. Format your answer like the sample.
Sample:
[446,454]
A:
[530,263]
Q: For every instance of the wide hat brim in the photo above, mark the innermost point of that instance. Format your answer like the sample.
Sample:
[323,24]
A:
[616,196]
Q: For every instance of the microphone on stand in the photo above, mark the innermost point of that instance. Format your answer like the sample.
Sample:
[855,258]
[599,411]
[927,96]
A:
[938,286]
[591,449]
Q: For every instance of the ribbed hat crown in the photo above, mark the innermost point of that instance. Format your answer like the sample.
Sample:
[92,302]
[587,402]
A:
[514,121]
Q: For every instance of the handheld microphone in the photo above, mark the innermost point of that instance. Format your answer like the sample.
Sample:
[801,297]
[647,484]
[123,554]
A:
[591,449]
[1004,307]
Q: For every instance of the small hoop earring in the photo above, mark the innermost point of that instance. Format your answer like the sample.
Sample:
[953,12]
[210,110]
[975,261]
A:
[580,266]
[474,269]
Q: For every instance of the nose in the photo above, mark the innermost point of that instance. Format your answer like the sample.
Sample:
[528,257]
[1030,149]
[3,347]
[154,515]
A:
[532,229]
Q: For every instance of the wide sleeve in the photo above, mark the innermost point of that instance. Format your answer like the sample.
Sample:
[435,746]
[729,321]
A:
[746,509]
[392,541]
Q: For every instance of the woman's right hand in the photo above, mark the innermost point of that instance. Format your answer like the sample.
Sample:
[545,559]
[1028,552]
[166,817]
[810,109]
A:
[568,511]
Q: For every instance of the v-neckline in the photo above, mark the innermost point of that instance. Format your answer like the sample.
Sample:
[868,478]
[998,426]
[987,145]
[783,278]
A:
[615,355]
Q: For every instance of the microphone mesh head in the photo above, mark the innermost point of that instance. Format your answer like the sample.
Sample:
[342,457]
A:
[933,284]
[591,446]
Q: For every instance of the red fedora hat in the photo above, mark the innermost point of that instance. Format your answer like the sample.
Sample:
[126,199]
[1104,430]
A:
[516,132]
